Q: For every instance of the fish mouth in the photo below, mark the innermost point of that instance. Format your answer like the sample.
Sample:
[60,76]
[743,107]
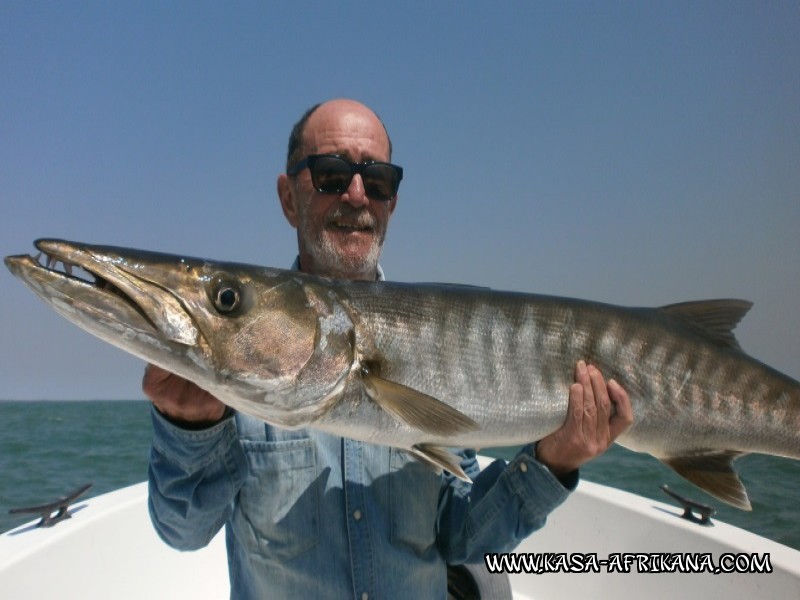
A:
[82,282]
[69,269]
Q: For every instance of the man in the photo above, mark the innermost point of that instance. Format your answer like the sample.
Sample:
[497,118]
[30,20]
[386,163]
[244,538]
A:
[311,515]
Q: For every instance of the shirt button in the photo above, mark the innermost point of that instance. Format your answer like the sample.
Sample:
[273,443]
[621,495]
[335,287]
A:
[357,517]
[523,467]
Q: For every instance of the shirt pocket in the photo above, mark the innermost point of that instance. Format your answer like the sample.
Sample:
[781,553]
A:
[414,500]
[280,500]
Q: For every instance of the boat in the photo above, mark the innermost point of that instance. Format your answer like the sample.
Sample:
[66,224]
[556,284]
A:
[601,543]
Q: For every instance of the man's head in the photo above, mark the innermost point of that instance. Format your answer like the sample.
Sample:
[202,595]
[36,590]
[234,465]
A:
[339,235]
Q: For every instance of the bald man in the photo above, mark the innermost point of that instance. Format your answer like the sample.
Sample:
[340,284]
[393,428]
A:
[311,515]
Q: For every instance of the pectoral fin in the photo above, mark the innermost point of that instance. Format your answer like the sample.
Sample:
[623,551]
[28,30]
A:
[714,473]
[416,409]
[440,459]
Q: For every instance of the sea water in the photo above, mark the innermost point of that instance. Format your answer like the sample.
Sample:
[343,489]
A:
[49,448]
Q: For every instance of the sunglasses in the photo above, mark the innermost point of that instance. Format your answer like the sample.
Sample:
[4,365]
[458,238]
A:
[332,174]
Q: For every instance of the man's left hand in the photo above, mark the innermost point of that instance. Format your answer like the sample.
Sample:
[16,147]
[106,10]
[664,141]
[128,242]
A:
[591,425]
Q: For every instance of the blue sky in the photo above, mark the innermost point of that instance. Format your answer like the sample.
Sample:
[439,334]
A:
[640,153]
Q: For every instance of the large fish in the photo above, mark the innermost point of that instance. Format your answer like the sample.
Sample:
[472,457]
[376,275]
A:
[426,366]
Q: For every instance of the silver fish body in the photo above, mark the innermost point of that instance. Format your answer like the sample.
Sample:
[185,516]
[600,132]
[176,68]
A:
[507,360]
[427,366]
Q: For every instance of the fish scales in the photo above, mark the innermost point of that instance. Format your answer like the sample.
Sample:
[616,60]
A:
[458,346]
[456,355]
[671,375]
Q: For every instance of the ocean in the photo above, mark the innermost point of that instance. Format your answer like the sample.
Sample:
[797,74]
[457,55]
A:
[49,448]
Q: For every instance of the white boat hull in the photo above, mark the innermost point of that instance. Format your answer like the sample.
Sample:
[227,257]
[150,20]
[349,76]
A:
[109,549]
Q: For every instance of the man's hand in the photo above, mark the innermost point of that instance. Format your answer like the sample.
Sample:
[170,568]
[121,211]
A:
[591,425]
[180,400]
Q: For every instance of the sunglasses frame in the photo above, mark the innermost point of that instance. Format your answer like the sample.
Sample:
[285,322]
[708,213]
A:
[355,169]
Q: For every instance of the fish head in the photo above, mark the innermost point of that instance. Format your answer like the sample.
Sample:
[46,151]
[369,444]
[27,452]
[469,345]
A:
[255,337]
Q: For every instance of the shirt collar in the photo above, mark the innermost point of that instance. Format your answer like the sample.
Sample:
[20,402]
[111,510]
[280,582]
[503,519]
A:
[380,277]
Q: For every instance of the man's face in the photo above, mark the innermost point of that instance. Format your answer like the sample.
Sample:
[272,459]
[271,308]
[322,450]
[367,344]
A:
[339,235]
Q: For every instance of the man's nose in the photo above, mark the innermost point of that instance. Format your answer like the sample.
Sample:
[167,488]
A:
[355,194]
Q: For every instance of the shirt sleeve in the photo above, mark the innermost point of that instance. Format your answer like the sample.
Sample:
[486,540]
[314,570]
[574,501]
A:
[193,477]
[503,506]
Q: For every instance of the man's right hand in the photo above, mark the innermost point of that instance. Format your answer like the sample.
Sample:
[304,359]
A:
[181,401]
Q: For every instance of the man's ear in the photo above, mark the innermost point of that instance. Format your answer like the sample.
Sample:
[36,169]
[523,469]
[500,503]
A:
[287,197]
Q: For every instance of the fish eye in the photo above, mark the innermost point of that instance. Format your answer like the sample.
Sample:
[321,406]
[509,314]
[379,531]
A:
[227,298]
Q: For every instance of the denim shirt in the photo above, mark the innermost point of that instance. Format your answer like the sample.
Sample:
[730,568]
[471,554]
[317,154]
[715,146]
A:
[312,515]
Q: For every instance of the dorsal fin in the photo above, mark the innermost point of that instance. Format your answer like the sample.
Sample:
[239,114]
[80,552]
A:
[714,319]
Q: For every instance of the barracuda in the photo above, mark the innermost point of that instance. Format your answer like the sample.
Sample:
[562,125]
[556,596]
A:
[425,366]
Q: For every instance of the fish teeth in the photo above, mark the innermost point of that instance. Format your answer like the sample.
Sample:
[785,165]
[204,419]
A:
[52,262]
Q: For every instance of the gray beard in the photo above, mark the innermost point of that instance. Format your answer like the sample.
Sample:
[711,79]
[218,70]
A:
[327,257]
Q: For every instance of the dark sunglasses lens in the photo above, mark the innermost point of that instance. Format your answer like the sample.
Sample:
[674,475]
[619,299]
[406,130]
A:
[331,175]
[380,181]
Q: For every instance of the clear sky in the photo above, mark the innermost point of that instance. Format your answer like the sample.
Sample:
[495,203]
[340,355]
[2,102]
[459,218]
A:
[639,153]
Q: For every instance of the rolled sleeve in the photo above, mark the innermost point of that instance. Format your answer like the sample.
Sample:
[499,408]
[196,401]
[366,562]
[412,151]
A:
[193,478]
[506,503]
[534,484]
